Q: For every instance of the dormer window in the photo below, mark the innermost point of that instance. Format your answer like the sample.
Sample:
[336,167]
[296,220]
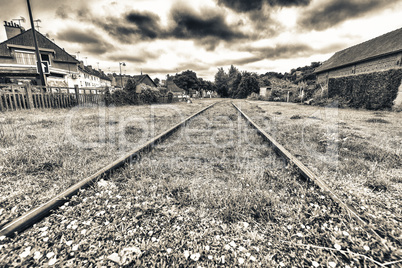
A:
[45,57]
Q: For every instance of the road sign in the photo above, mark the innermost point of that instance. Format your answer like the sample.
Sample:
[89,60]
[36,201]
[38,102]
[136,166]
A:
[45,67]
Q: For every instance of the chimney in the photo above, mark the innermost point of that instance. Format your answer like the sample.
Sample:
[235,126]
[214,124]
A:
[12,29]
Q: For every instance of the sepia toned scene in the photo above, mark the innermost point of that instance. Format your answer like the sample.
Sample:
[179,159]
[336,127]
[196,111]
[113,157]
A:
[205,133]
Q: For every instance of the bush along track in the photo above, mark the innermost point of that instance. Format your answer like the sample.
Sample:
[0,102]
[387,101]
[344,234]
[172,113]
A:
[213,194]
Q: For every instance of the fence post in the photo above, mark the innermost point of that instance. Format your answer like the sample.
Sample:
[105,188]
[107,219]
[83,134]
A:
[77,94]
[1,100]
[28,91]
[14,102]
[106,96]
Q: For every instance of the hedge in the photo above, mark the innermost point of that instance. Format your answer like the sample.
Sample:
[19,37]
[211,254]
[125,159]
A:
[373,91]
[124,97]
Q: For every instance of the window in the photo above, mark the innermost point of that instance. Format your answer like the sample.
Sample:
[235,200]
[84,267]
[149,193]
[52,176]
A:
[25,58]
[45,57]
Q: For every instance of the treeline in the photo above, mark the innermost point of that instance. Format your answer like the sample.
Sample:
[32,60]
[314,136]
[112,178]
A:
[236,84]
[232,83]
[188,80]
[241,84]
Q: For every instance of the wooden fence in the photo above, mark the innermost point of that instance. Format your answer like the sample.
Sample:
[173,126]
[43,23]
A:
[17,97]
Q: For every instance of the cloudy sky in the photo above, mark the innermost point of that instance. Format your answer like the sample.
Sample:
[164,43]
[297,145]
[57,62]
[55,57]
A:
[163,37]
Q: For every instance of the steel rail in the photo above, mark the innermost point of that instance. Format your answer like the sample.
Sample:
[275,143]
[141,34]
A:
[36,214]
[306,172]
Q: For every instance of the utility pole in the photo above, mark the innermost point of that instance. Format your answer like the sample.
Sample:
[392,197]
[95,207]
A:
[38,57]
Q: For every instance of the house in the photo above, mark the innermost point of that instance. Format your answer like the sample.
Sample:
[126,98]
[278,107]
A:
[120,81]
[379,54]
[18,59]
[89,77]
[143,81]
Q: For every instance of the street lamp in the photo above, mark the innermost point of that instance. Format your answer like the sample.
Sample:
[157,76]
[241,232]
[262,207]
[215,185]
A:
[121,78]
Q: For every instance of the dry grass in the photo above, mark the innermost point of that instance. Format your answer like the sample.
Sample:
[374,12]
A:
[357,154]
[43,152]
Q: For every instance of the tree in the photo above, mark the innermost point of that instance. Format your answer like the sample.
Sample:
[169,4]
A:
[221,82]
[235,85]
[130,92]
[186,80]
[233,82]
[131,85]
[248,84]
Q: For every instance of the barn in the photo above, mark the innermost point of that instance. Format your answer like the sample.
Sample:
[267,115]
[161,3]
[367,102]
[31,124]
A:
[381,56]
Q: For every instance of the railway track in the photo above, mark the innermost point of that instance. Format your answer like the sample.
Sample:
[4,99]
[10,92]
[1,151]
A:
[215,154]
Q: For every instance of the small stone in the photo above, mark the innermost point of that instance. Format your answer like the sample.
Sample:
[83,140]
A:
[52,261]
[332,264]
[114,258]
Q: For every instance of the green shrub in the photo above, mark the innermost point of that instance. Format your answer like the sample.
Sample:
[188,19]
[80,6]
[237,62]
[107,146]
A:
[254,96]
[149,96]
[372,91]
[277,95]
[123,97]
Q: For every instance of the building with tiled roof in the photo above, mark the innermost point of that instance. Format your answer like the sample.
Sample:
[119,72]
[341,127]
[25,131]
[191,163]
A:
[120,81]
[379,54]
[18,59]
[89,77]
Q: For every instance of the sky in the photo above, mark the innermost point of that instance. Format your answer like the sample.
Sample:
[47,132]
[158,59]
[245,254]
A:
[160,37]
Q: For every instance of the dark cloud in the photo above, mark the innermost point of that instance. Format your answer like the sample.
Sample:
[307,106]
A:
[207,27]
[337,11]
[139,56]
[124,31]
[253,5]
[241,5]
[239,61]
[259,14]
[92,43]
[63,12]
[286,51]
[147,24]
[282,51]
